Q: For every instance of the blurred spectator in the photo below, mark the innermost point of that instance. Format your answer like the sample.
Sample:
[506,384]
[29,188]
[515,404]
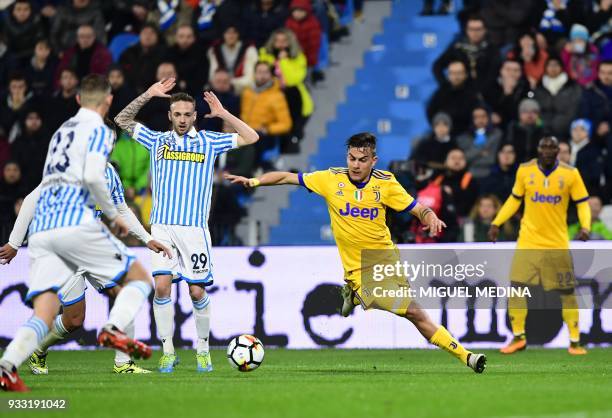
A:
[128,16]
[533,58]
[14,105]
[507,19]
[501,178]
[599,230]
[307,29]
[559,98]
[480,143]
[70,16]
[580,57]
[525,133]
[432,149]
[474,50]
[283,52]
[600,18]
[221,85]
[480,218]
[154,114]
[457,97]
[7,61]
[236,57]
[557,18]
[504,93]
[458,182]
[586,156]
[263,107]
[62,105]
[428,7]
[11,189]
[140,61]
[596,101]
[565,154]
[132,162]
[264,18]
[123,93]
[190,61]
[30,149]
[22,28]
[88,56]
[40,71]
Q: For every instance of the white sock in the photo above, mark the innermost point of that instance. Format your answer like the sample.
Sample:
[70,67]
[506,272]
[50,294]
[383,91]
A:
[128,303]
[25,342]
[122,358]
[57,334]
[201,313]
[163,310]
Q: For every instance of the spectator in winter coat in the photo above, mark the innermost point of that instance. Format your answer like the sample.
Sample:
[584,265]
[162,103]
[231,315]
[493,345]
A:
[140,61]
[70,16]
[586,156]
[30,149]
[596,101]
[507,19]
[14,105]
[40,70]
[432,149]
[580,57]
[191,64]
[221,85]
[480,143]
[459,183]
[62,105]
[559,98]
[22,28]
[525,133]
[88,56]
[501,178]
[504,93]
[264,18]
[122,92]
[234,56]
[532,57]
[457,97]
[307,29]
[599,230]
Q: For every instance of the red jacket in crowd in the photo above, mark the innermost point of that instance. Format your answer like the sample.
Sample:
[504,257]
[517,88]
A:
[307,30]
[101,60]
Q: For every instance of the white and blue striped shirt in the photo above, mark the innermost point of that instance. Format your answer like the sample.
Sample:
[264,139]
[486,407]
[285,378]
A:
[113,182]
[64,199]
[182,170]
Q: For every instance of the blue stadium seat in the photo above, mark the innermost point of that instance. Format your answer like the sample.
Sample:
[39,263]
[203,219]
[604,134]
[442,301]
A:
[120,43]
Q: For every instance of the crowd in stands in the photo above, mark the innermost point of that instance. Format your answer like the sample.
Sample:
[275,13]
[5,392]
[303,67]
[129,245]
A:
[258,56]
[518,71]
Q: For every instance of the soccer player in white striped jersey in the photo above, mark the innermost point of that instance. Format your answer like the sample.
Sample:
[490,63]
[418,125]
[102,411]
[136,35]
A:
[65,235]
[182,170]
[72,293]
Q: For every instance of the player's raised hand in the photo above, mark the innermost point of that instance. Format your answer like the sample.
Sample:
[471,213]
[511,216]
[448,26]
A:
[158,247]
[493,233]
[248,183]
[7,253]
[161,88]
[216,108]
[119,226]
[582,235]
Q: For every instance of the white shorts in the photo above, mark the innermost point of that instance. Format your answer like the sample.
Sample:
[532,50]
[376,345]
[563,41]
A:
[73,290]
[191,257]
[58,254]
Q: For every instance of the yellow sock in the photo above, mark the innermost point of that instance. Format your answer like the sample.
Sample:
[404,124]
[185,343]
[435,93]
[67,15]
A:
[443,339]
[570,315]
[517,310]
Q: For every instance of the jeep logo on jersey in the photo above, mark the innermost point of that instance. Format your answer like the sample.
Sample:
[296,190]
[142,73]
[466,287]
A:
[546,198]
[165,153]
[356,212]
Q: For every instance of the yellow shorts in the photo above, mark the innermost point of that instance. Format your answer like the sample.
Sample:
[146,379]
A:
[390,294]
[552,269]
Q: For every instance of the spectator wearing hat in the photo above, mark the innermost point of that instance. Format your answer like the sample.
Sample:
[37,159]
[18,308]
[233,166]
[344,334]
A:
[559,98]
[480,143]
[307,29]
[585,155]
[580,57]
[525,133]
[431,149]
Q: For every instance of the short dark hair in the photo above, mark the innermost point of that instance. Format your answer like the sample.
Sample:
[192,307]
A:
[181,97]
[362,140]
[604,62]
[17,76]
[549,138]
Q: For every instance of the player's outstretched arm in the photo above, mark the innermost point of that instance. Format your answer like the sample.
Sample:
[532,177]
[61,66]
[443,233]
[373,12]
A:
[246,134]
[9,250]
[136,229]
[273,178]
[126,118]
[512,204]
[429,219]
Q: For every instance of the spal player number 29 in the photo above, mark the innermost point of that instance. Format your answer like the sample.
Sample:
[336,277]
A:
[199,258]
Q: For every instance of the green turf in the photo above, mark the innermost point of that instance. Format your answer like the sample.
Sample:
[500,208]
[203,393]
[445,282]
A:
[333,383]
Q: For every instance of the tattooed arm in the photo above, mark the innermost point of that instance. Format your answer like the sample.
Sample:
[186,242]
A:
[125,118]
[428,218]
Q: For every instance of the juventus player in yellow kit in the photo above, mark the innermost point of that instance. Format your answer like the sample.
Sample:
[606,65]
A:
[357,199]
[545,185]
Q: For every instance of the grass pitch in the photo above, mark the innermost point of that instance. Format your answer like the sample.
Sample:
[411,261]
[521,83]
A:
[330,383]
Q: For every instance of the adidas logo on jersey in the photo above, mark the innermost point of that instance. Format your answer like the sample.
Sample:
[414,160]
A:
[165,153]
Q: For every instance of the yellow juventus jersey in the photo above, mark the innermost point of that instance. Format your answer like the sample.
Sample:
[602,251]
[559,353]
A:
[546,197]
[358,211]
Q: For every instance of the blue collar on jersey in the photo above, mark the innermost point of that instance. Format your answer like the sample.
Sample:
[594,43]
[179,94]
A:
[359,185]
[549,172]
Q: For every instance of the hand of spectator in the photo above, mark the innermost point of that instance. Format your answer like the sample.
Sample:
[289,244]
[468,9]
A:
[158,247]
[433,224]
[216,108]
[603,128]
[493,233]
[583,234]
[161,88]
[238,180]
[7,253]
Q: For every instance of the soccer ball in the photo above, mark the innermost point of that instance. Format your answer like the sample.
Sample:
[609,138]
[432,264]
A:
[245,353]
